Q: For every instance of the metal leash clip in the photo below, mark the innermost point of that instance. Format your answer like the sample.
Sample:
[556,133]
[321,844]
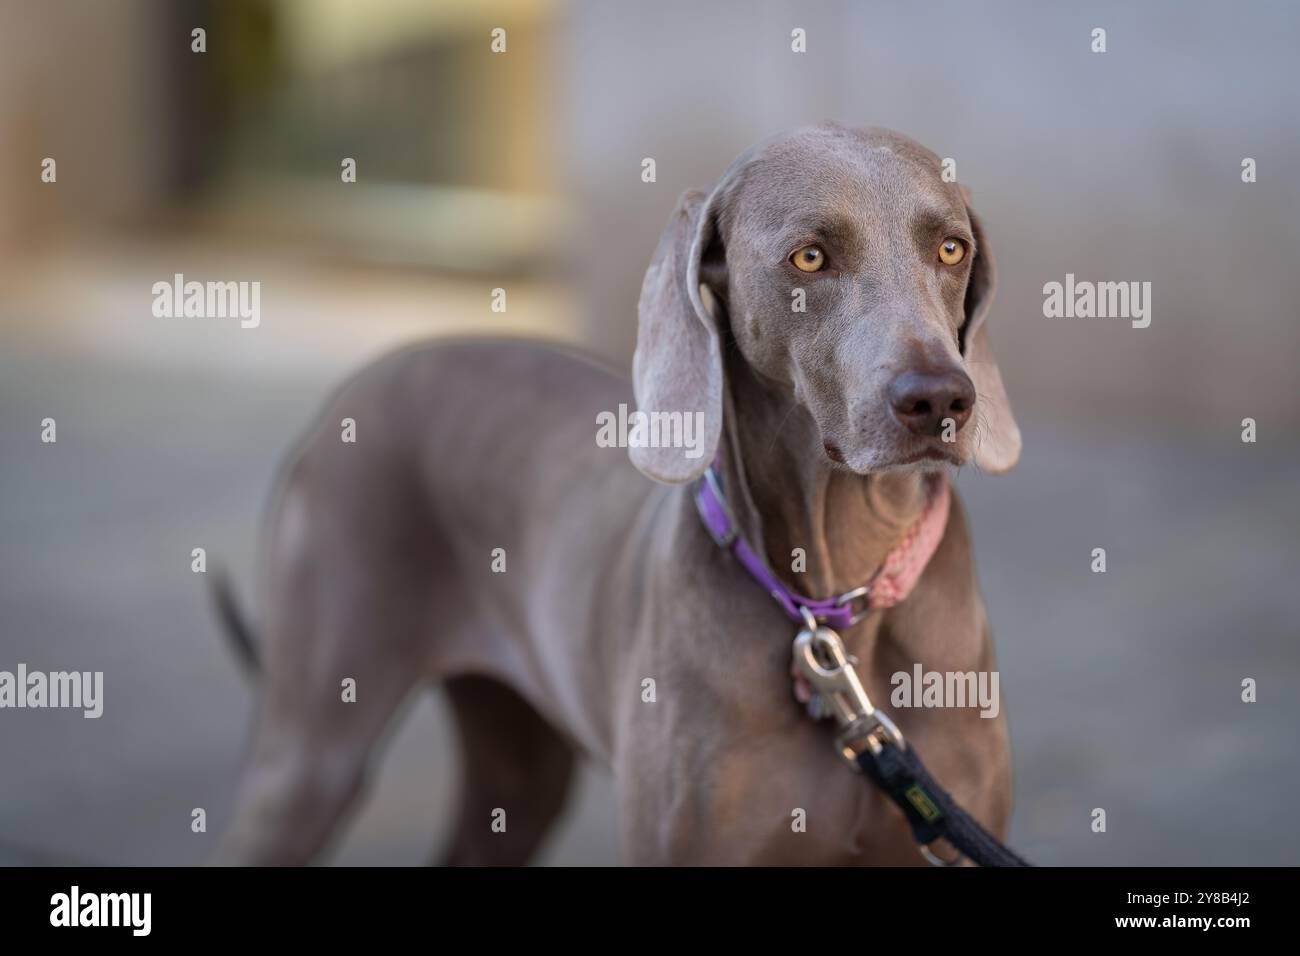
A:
[820,657]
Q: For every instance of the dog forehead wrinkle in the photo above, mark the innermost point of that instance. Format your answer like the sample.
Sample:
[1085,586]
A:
[840,179]
[930,219]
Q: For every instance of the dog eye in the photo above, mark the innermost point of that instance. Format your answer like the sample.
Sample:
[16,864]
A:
[952,251]
[809,259]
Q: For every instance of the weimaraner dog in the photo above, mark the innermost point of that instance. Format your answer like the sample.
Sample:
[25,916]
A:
[824,425]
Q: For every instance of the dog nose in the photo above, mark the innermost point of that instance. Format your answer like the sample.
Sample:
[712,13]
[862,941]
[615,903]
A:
[923,400]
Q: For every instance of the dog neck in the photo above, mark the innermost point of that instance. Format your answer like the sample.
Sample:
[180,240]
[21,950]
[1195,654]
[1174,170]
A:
[787,494]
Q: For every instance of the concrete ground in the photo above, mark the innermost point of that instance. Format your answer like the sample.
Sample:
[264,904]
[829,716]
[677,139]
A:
[1123,689]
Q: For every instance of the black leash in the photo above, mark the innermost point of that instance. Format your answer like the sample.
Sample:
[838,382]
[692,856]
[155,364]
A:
[930,810]
[870,742]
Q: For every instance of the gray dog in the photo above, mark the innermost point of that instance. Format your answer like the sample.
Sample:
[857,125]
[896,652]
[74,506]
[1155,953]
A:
[825,425]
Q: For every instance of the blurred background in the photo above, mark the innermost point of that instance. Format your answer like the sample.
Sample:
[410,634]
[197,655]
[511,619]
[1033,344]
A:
[522,170]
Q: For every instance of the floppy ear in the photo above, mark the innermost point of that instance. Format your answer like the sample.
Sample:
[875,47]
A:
[998,436]
[678,361]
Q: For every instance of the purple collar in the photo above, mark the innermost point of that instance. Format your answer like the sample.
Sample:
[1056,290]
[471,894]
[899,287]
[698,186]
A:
[721,524]
[892,583]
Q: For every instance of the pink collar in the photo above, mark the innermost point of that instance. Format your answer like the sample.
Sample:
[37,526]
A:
[892,583]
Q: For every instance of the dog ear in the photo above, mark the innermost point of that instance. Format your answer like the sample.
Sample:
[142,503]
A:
[678,361]
[998,447]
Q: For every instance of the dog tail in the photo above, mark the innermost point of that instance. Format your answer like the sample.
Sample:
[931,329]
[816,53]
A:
[233,622]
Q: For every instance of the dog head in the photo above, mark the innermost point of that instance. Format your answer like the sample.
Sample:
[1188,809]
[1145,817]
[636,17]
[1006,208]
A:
[851,278]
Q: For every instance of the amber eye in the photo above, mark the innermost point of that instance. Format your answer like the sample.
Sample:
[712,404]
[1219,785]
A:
[809,259]
[952,251]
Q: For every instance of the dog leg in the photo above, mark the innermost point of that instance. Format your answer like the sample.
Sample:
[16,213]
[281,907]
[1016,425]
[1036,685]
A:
[513,760]
[303,778]
[342,652]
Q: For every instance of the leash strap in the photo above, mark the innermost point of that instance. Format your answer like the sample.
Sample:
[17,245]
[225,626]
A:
[930,810]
